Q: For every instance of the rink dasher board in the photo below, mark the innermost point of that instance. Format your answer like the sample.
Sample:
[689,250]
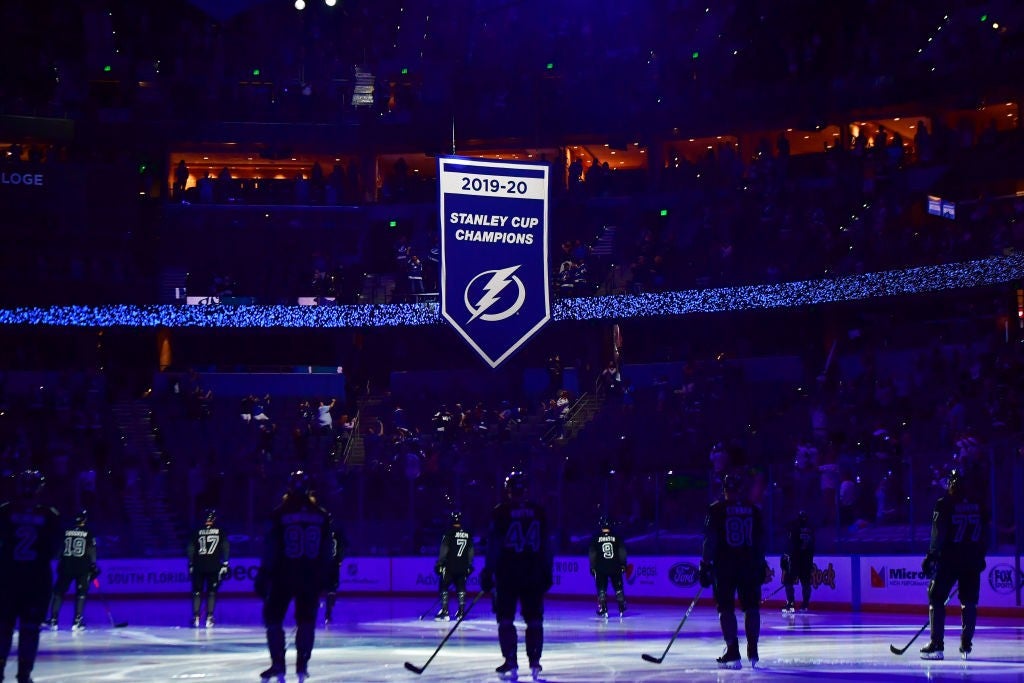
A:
[879,581]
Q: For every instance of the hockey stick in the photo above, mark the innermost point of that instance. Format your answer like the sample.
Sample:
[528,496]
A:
[430,609]
[420,669]
[659,660]
[106,606]
[772,594]
[899,651]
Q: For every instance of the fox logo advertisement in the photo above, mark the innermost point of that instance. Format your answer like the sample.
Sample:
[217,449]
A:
[494,252]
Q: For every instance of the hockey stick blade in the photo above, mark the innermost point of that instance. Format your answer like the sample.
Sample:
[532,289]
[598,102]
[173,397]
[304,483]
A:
[897,651]
[421,669]
[656,660]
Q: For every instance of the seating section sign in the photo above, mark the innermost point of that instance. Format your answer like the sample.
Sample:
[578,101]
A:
[494,252]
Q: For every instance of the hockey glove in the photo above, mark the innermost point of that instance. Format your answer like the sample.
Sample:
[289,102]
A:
[930,566]
[439,569]
[223,571]
[705,575]
[469,570]
[785,563]
[487,580]
[191,568]
[593,572]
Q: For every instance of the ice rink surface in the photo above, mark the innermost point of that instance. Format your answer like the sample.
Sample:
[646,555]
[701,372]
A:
[371,638]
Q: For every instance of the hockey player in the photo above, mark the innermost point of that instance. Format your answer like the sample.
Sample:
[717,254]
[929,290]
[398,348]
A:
[454,565]
[956,555]
[797,563]
[608,561]
[519,568]
[733,562]
[77,564]
[338,546]
[208,555]
[29,538]
[298,558]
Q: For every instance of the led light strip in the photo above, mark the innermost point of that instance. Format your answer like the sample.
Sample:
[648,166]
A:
[951,276]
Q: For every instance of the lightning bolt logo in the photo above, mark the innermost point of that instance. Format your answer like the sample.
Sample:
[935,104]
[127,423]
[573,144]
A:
[498,280]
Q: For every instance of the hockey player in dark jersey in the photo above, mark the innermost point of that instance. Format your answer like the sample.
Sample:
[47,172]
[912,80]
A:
[298,559]
[732,561]
[956,554]
[798,562]
[77,565]
[339,544]
[208,554]
[454,565]
[608,562]
[520,569]
[29,540]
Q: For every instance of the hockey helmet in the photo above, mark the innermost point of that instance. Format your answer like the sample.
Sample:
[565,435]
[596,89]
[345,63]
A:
[456,518]
[515,484]
[803,517]
[299,484]
[28,484]
[956,481]
[731,483]
[210,516]
[82,518]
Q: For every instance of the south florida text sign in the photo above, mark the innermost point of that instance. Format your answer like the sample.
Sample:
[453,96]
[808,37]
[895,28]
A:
[494,252]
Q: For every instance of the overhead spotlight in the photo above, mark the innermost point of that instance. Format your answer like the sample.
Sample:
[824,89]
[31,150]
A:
[300,5]
[330,3]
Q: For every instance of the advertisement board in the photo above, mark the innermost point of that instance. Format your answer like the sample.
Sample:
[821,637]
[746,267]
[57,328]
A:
[899,580]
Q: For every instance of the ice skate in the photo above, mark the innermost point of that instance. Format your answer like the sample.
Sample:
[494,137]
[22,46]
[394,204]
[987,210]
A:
[932,651]
[509,670]
[602,612]
[209,621]
[730,660]
[79,625]
[752,656]
[788,608]
[301,673]
[535,669]
[460,614]
[50,624]
[965,650]
[274,674]
[195,622]
[442,614]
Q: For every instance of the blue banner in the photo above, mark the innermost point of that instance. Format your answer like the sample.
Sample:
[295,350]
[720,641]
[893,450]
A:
[494,252]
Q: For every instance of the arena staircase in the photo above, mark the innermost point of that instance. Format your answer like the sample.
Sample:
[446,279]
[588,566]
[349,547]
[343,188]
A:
[145,496]
[581,413]
[371,407]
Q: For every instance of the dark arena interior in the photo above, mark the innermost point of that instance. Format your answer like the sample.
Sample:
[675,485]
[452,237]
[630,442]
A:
[776,247]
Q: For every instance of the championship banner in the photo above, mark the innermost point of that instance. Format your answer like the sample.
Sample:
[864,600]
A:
[494,252]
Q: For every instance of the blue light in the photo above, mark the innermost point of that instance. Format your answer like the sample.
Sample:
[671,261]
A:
[980,273]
